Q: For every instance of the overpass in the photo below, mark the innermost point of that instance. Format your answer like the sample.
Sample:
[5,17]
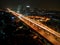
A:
[48,33]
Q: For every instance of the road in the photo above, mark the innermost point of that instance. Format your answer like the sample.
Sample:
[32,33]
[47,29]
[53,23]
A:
[48,33]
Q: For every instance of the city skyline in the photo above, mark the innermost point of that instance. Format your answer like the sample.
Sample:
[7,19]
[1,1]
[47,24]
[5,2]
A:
[46,4]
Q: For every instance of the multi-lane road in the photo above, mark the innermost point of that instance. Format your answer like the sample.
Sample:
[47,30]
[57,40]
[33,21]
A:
[48,33]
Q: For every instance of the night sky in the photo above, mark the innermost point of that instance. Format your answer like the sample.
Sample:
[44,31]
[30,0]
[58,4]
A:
[46,4]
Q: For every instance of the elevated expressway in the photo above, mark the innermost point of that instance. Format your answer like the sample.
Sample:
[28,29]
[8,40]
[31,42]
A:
[43,30]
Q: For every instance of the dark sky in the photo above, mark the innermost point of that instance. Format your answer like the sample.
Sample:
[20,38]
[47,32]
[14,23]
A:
[47,4]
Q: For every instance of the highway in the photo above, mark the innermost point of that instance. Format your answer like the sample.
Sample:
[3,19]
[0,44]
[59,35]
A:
[48,33]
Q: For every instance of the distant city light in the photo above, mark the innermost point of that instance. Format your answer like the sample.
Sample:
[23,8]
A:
[28,6]
[18,11]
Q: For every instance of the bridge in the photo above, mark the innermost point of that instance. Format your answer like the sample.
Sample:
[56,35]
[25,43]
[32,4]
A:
[43,30]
